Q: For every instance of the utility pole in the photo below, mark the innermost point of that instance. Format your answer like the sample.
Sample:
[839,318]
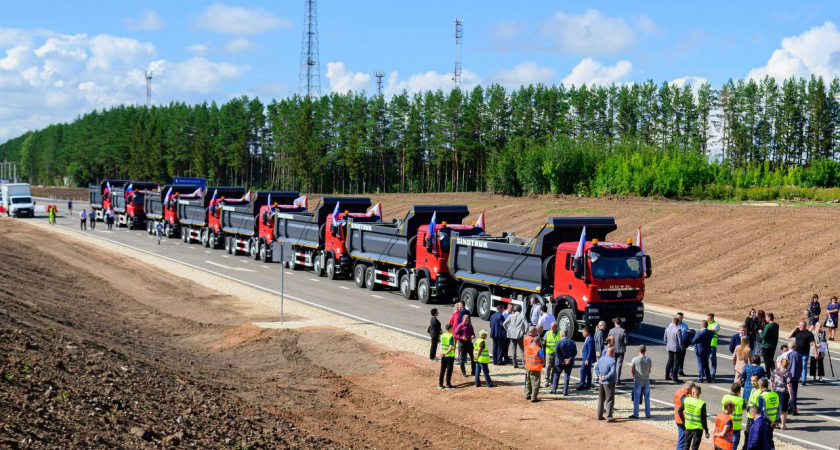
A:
[148,89]
[310,66]
[459,34]
[379,74]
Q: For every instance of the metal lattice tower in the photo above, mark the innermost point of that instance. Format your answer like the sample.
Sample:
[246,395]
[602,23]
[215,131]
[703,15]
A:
[148,89]
[379,74]
[459,34]
[310,66]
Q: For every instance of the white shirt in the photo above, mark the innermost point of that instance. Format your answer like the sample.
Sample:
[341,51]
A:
[545,321]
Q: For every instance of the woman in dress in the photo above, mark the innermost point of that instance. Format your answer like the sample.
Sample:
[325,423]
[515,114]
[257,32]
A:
[831,310]
[740,358]
[783,385]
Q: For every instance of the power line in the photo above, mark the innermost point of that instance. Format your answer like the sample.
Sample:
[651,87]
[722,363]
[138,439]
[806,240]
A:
[310,66]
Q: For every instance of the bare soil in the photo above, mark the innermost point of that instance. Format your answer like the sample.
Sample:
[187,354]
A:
[90,361]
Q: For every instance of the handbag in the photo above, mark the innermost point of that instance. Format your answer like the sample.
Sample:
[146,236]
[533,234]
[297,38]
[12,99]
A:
[829,322]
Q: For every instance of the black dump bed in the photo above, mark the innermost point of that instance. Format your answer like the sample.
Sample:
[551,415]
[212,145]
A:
[154,199]
[241,219]
[139,187]
[516,262]
[393,243]
[193,210]
[304,229]
[95,191]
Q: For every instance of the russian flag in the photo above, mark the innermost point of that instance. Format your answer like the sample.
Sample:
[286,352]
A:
[108,187]
[301,201]
[581,244]
[169,195]
[269,200]
[480,222]
[376,210]
[129,190]
[213,199]
[433,224]
[641,245]
[196,193]
[247,196]
[335,213]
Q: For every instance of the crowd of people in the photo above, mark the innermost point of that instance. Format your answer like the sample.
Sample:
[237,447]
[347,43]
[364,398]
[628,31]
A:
[765,387]
[85,216]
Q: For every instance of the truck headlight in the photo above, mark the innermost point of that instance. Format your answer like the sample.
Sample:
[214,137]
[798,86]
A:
[585,298]
[640,308]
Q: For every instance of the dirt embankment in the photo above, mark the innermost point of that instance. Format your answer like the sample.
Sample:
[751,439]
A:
[90,360]
[61,193]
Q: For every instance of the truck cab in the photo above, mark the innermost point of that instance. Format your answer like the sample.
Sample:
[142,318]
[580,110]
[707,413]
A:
[433,252]
[17,200]
[129,206]
[335,239]
[101,196]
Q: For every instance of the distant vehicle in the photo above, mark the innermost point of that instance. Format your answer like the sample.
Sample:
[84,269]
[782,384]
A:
[17,200]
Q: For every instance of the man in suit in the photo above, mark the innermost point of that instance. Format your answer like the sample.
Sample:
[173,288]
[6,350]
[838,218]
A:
[587,360]
[497,333]
[702,349]
[565,352]
[674,345]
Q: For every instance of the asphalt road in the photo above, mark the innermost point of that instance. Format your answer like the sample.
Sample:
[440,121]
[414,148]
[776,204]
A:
[817,427]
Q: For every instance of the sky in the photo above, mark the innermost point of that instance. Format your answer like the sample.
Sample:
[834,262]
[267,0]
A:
[59,60]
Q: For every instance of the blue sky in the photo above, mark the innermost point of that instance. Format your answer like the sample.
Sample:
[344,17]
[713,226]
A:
[60,59]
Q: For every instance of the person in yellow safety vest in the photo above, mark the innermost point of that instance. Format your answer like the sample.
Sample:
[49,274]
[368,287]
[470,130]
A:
[679,397]
[737,415]
[768,402]
[751,401]
[549,341]
[447,357]
[714,327]
[534,362]
[723,437]
[482,359]
[693,413]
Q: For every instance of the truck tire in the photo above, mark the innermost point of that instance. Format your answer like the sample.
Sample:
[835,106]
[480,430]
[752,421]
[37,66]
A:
[359,275]
[548,268]
[485,305]
[204,238]
[322,232]
[167,230]
[405,287]
[370,279]
[469,296]
[317,269]
[330,269]
[566,320]
[252,247]
[412,248]
[424,292]
[211,240]
[149,227]
[227,245]
[186,236]
[263,251]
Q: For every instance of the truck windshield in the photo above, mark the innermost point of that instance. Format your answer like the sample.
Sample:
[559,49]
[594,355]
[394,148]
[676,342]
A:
[138,199]
[21,200]
[445,234]
[613,267]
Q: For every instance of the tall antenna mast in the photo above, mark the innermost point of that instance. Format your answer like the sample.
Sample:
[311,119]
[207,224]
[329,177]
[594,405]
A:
[310,66]
[459,34]
[148,89]
[379,74]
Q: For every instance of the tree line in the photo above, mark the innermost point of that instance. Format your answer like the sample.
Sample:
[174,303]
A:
[535,139]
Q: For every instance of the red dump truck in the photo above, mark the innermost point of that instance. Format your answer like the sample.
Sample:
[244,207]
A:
[199,216]
[128,203]
[248,226]
[100,196]
[162,205]
[404,254]
[605,282]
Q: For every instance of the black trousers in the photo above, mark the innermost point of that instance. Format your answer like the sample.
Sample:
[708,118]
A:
[682,361]
[672,367]
[447,363]
[499,348]
[433,349]
[693,438]
[467,352]
[767,354]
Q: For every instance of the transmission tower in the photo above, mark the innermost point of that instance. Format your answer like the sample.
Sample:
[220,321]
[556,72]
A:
[379,74]
[310,67]
[459,34]
[148,89]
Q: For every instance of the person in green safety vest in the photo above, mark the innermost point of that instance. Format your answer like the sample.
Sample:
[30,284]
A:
[693,414]
[447,357]
[737,415]
[482,359]
[714,327]
[752,400]
[768,402]
[550,340]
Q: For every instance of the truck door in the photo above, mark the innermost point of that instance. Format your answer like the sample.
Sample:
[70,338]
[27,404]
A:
[565,282]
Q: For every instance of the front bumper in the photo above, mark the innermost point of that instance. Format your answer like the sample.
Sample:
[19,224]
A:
[631,313]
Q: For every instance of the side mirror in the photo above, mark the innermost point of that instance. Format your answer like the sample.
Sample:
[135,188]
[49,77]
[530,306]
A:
[577,267]
[648,267]
[430,244]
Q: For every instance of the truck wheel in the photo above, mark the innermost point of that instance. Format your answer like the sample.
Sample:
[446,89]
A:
[149,227]
[232,247]
[468,296]
[330,269]
[412,248]
[227,245]
[204,238]
[370,279]
[252,246]
[424,292]
[211,240]
[405,287]
[359,275]
[566,321]
[167,230]
[186,236]
[263,252]
[316,266]
[548,268]
[485,305]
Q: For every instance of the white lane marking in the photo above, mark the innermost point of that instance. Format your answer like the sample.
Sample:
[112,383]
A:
[241,269]
[151,237]
[827,418]
[344,287]
[192,248]
[225,256]
[265,267]
[374,295]
[177,243]
[207,251]
[415,306]
[289,273]
[244,260]
[814,444]
[314,279]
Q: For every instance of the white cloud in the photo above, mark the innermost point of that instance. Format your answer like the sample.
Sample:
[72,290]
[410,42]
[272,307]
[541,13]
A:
[148,21]
[689,80]
[523,74]
[429,81]
[814,52]
[645,24]
[238,45]
[590,71]
[225,19]
[196,74]
[200,49]
[342,80]
[592,33]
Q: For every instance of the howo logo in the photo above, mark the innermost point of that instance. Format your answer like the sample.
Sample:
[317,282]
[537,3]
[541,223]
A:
[362,227]
[471,242]
[285,216]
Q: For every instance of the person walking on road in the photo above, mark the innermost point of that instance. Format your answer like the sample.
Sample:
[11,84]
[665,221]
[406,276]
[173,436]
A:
[587,360]
[482,359]
[761,432]
[702,347]
[679,399]
[565,352]
[465,334]
[723,436]
[434,331]
[159,231]
[69,206]
[83,215]
[600,338]
[674,344]
[51,214]
[818,356]
[737,414]
[782,383]
[832,310]
[804,344]
[714,327]
[549,342]
[111,217]
[769,340]
[693,413]
[454,320]
[447,357]
[515,327]
[534,363]
[619,336]
[605,376]
[814,310]
[498,335]
[640,368]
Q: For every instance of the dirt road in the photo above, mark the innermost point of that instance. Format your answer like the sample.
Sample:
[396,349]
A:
[166,361]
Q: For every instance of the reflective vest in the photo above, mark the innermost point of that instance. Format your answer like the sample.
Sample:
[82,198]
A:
[532,358]
[551,339]
[738,414]
[714,338]
[678,399]
[726,441]
[484,356]
[691,410]
[753,400]
[447,345]
[528,339]
[771,405]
